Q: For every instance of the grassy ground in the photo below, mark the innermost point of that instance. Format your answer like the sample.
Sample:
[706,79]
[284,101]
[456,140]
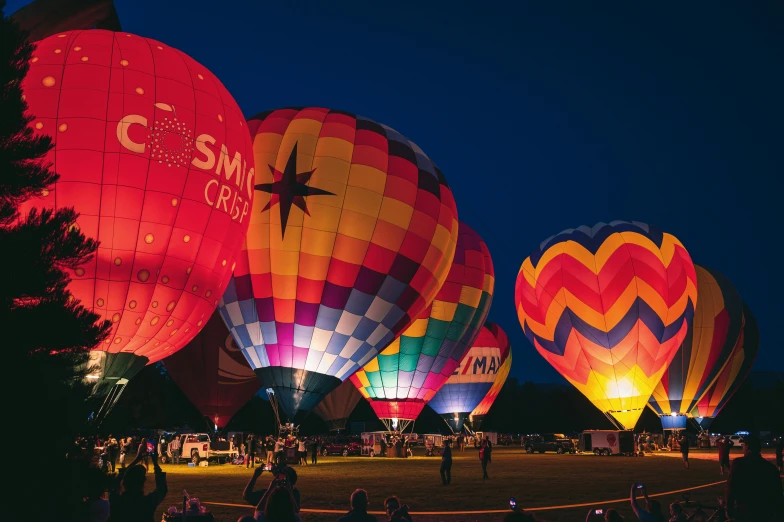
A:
[534,480]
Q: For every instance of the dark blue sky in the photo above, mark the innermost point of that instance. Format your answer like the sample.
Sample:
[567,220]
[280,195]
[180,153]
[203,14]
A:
[542,116]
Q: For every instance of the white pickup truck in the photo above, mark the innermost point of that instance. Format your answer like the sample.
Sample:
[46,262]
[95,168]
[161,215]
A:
[198,446]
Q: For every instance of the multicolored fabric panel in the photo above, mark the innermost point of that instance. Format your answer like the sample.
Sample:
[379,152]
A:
[608,306]
[212,372]
[154,155]
[352,234]
[475,375]
[416,364]
[706,349]
[338,405]
[500,378]
[734,372]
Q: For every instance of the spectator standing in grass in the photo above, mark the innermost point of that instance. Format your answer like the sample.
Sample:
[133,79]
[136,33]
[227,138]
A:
[359,504]
[302,451]
[484,457]
[446,464]
[683,441]
[314,449]
[112,447]
[251,442]
[754,487]
[723,445]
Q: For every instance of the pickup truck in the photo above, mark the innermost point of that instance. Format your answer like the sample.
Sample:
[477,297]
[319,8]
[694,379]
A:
[556,442]
[198,446]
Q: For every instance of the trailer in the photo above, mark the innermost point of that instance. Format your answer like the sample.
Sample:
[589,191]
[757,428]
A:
[490,435]
[607,442]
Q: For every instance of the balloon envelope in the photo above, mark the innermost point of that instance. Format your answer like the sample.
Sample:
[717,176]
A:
[734,372]
[352,233]
[213,373]
[152,152]
[705,350]
[474,377]
[408,373]
[608,306]
[336,407]
[489,398]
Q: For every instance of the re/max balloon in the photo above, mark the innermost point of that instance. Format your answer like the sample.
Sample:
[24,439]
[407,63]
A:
[474,377]
[608,306]
[352,233]
[478,415]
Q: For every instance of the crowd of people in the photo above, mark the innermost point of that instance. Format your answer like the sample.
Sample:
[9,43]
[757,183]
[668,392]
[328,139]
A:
[114,485]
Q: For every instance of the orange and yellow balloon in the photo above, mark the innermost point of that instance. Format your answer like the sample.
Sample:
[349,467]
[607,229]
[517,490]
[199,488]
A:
[608,306]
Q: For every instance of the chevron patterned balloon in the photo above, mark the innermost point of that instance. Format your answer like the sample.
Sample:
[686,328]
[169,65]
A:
[608,306]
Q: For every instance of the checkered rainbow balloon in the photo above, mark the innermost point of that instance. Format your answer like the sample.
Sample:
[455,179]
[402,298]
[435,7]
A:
[352,234]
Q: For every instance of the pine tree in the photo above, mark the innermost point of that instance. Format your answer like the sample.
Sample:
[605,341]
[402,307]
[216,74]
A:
[46,333]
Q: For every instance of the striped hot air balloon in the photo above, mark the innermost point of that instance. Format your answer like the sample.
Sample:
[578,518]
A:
[608,306]
[709,342]
[733,374]
[352,233]
[471,382]
[408,373]
[478,415]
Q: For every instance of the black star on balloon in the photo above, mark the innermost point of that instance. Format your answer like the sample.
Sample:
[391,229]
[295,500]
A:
[290,188]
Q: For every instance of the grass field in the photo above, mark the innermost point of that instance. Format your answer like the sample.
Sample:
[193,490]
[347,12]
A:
[534,481]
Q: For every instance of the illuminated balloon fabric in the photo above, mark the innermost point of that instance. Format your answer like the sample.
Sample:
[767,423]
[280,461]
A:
[405,375]
[734,372]
[336,407]
[352,234]
[608,306]
[212,372]
[473,378]
[154,155]
[500,378]
[708,344]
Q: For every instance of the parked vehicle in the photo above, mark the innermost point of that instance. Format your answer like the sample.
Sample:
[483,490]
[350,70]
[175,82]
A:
[556,442]
[607,442]
[197,447]
[341,446]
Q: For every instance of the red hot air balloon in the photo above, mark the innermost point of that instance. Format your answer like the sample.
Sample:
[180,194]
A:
[213,373]
[155,156]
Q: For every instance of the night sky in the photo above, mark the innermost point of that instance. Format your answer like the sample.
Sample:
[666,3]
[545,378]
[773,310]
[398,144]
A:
[542,117]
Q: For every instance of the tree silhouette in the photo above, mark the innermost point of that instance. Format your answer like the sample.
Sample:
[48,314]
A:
[47,334]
